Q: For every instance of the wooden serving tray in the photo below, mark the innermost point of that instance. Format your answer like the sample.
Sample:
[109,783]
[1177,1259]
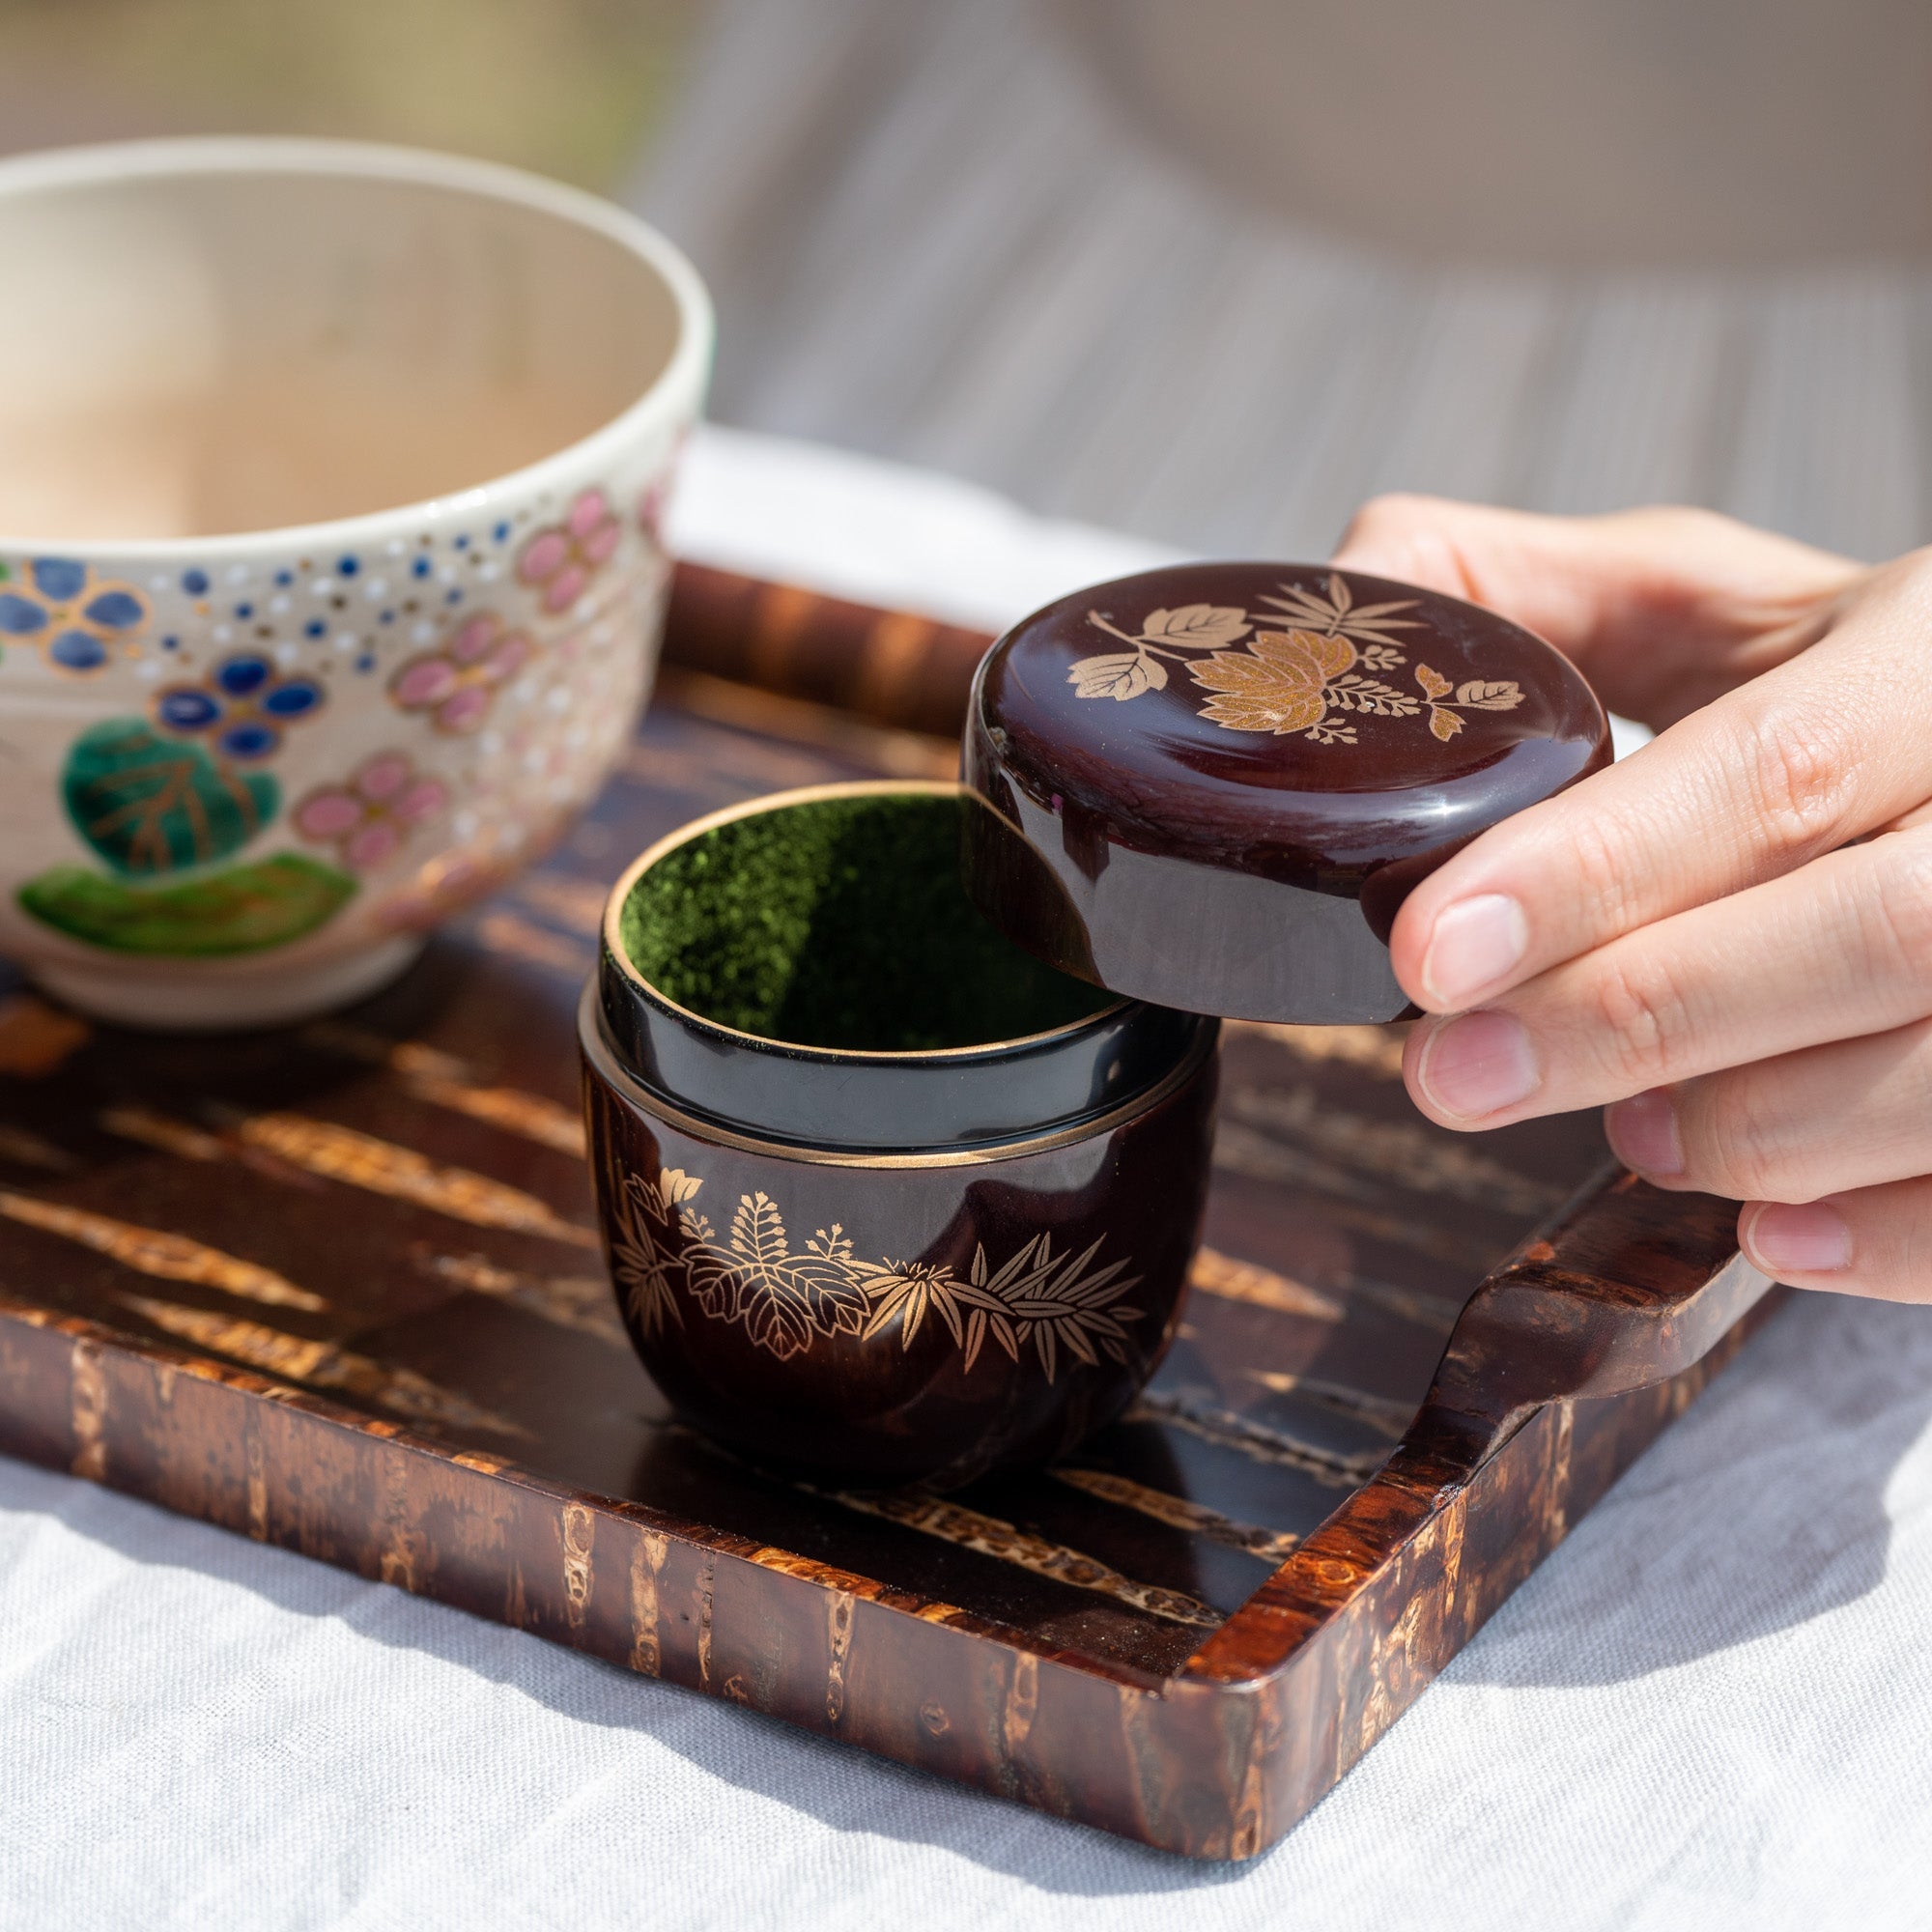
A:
[338,1289]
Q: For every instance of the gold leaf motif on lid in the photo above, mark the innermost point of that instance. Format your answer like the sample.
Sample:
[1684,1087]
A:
[1287,681]
[1205,626]
[1119,674]
[1275,685]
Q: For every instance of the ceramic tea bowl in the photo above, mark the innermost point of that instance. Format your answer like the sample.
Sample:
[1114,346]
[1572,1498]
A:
[883,1197]
[329,569]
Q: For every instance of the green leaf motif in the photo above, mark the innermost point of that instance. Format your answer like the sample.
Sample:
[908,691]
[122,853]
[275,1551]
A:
[245,909]
[148,804]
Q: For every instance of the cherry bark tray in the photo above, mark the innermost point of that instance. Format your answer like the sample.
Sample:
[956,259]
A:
[338,1289]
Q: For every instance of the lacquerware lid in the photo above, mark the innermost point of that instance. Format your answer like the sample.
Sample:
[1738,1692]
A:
[1212,785]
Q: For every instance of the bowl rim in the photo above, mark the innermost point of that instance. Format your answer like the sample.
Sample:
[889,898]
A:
[681,378]
[778,801]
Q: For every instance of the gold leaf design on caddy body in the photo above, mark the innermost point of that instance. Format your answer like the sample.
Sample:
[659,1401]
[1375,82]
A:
[784,1299]
[1264,677]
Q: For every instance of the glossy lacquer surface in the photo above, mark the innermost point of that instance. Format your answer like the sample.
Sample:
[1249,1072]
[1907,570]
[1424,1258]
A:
[890,1319]
[1212,785]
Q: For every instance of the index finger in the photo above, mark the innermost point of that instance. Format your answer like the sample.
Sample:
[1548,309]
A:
[1816,751]
[1662,609]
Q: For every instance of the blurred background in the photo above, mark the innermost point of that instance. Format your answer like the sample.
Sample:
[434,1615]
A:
[1207,270]
[568,87]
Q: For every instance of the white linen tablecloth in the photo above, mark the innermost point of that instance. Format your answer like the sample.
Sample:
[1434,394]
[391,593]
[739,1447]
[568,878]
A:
[1711,1708]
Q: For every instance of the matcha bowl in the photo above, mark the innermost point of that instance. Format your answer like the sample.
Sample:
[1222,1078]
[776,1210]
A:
[883,1197]
[331,570]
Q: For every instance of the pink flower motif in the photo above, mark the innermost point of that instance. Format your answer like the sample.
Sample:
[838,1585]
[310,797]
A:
[562,558]
[457,685]
[367,819]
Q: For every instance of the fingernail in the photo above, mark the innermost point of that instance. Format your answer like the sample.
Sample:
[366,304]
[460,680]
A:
[1473,944]
[1478,1062]
[1809,1239]
[1644,1133]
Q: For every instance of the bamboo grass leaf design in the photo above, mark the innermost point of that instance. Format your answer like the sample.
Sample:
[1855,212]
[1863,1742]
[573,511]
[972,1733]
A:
[989,1312]
[1339,615]
[786,1299]
[908,1290]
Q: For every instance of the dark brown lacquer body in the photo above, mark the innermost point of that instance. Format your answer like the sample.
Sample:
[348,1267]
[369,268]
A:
[892,1267]
[899,1317]
[1212,785]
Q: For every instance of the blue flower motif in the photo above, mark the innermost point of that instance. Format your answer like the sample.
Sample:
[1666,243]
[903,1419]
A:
[114,610]
[21,616]
[77,651]
[58,577]
[186,708]
[74,619]
[242,707]
[244,676]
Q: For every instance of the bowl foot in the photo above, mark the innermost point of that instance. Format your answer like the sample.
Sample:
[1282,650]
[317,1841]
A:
[222,996]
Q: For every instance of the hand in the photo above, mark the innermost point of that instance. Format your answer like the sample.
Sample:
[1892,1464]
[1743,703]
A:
[1728,936]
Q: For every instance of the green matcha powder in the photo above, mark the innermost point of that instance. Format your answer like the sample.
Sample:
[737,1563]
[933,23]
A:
[840,922]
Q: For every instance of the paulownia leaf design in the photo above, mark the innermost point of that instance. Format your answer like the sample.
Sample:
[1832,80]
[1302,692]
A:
[831,1282]
[781,1298]
[642,1264]
[151,805]
[245,909]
